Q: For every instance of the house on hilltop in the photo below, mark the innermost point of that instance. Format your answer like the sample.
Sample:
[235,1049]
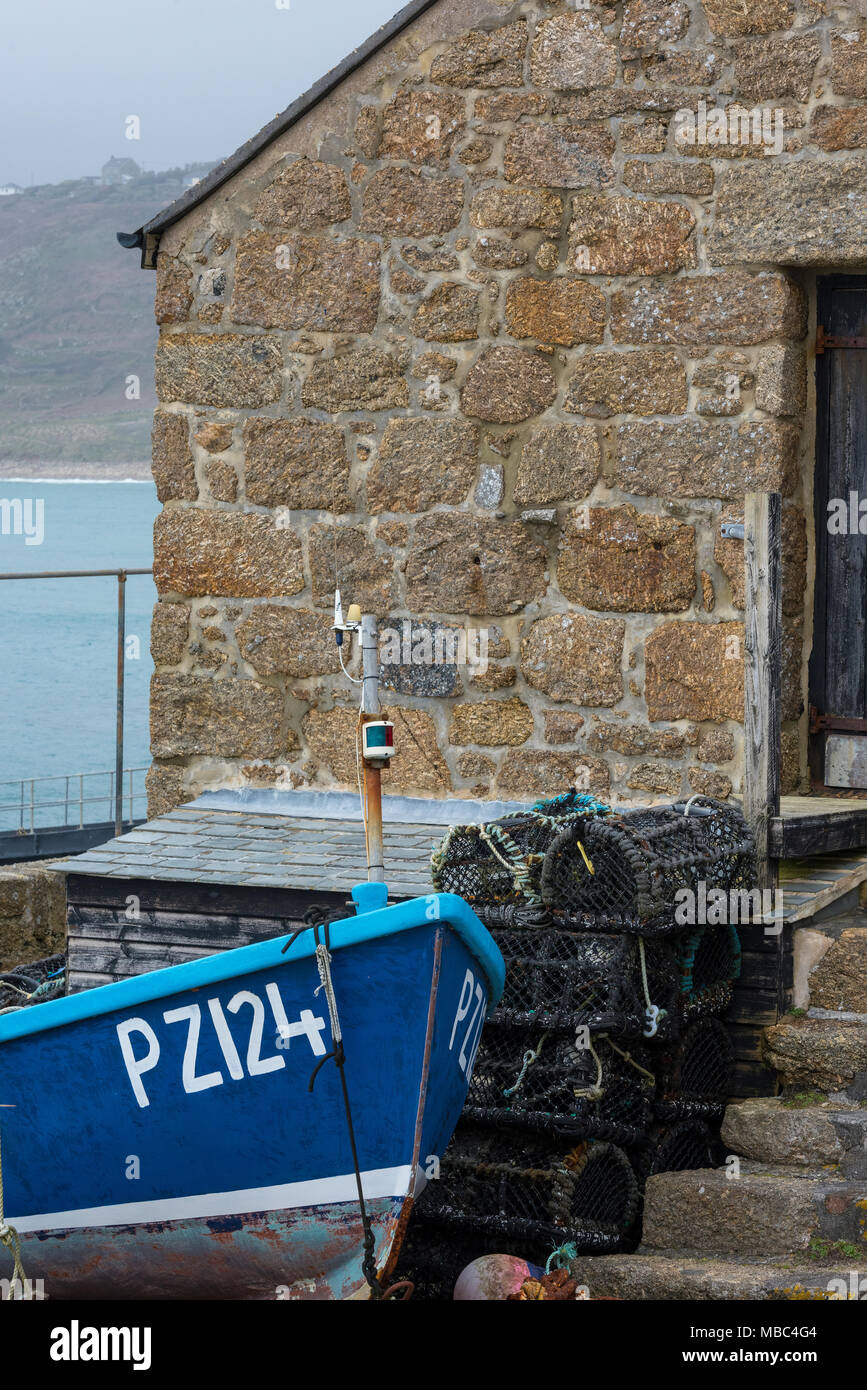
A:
[119,171]
[512,313]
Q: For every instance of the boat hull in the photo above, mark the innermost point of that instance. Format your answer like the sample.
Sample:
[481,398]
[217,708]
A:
[169,1144]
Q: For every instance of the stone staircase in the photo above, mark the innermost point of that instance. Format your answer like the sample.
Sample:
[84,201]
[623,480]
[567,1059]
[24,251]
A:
[786,1218]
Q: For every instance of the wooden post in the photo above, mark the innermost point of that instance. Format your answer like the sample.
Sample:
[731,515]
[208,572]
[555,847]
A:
[372,770]
[763,663]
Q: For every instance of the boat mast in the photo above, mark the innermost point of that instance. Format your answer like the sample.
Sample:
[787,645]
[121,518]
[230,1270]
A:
[372,766]
[376,734]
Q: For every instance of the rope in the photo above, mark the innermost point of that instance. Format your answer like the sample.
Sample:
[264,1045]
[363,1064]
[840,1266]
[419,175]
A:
[561,1256]
[627,1057]
[654,1014]
[517,866]
[11,1239]
[597,1090]
[529,1058]
[323,965]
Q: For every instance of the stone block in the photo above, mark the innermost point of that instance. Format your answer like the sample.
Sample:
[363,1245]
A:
[231,554]
[195,716]
[615,559]
[219,369]
[575,658]
[296,463]
[695,671]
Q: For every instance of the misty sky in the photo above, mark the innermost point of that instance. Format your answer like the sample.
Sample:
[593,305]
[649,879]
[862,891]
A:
[202,75]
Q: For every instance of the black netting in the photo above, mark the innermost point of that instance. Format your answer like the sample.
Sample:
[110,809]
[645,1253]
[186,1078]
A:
[624,872]
[605,1035]
[566,979]
[543,1081]
[710,962]
[677,1148]
[697,1073]
[32,984]
[533,1190]
[559,979]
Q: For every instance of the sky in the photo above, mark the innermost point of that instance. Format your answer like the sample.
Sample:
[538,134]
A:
[202,76]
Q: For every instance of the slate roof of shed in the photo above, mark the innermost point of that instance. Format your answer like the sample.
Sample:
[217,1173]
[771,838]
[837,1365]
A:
[272,839]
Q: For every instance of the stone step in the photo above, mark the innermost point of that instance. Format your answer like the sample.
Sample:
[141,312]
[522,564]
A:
[829,965]
[839,979]
[779,1131]
[763,1212]
[819,1054]
[686,1275]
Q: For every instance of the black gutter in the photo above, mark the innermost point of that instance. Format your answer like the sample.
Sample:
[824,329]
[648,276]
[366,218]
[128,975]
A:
[147,237]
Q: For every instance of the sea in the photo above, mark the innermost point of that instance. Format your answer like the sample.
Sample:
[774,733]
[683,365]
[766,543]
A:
[58,642]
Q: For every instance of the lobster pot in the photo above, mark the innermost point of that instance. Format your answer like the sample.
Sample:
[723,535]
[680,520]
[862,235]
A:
[496,867]
[536,1194]
[541,1081]
[625,872]
[677,1148]
[710,962]
[32,984]
[568,980]
[697,1074]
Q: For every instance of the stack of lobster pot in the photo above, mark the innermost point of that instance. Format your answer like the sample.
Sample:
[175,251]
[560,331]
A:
[606,1059]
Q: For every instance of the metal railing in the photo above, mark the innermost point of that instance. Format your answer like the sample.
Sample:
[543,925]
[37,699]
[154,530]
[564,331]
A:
[121,577]
[26,804]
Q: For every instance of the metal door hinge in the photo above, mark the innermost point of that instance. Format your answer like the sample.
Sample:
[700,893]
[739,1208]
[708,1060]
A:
[824,340]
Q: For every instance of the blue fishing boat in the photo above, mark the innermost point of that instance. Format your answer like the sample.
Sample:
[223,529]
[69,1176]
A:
[250,1125]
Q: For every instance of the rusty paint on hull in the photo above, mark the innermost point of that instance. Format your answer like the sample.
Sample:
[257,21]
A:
[310,1253]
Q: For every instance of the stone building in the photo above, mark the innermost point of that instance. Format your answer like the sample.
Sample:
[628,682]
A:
[498,325]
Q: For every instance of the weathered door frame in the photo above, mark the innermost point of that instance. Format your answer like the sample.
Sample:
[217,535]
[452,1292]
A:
[819,720]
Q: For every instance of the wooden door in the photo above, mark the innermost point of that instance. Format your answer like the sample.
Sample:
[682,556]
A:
[838,666]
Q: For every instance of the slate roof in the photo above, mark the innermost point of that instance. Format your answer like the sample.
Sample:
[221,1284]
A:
[307,841]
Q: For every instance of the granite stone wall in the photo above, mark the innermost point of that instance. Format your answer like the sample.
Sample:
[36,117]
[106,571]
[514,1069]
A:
[503,350]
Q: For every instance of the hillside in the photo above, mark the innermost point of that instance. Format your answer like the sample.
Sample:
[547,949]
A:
[76,319]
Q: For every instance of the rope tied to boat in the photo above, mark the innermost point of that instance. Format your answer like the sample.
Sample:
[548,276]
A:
[338,1056]
[11,1239]
[323,965]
